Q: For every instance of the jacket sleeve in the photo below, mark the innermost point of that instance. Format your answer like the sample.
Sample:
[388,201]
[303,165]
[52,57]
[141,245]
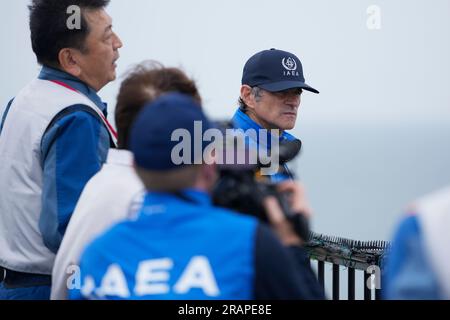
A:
[282,273]
[72,151]
[408,273]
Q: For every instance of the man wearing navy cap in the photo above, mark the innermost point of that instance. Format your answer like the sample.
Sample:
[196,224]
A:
[180,246]
[272,85]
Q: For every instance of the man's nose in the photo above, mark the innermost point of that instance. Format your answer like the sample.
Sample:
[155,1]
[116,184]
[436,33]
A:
[293,100]
[118,43]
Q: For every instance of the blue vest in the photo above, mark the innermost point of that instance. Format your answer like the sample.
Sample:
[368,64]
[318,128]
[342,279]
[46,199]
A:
[38,189]
[177,248]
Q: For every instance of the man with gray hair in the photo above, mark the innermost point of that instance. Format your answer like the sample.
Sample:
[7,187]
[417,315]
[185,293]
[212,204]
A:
[272,85]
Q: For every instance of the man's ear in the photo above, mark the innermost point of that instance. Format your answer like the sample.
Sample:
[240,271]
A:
[246,95]
[68,61]
[209,175]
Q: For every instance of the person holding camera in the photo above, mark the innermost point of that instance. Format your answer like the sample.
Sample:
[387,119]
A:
[181,246]
[272,85]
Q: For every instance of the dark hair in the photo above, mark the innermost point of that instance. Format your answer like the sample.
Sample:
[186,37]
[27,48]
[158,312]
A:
[49,30]
[143,84]
[242,105]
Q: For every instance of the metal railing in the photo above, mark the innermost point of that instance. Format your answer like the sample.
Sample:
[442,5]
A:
[367,256]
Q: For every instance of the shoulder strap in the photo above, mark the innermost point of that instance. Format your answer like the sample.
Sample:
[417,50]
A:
[101,116]
[72,109]
[5,113]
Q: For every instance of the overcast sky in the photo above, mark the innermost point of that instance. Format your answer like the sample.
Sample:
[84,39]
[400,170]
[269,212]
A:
[374,139]
[399,72]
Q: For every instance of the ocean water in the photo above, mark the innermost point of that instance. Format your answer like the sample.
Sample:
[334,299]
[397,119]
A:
[361,178]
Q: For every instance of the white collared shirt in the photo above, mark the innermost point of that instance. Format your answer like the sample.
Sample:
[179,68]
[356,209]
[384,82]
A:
[113,194]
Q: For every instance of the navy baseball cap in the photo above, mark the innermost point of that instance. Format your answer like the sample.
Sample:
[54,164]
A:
[151,134]
[275,70]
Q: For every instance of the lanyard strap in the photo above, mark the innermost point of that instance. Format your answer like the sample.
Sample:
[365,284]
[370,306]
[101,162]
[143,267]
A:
[108,126]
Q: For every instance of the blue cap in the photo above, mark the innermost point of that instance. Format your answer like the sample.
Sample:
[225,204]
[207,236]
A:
[275,70]
[151,134]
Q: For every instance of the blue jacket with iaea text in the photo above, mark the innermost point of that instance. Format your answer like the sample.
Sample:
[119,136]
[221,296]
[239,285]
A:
[182,247]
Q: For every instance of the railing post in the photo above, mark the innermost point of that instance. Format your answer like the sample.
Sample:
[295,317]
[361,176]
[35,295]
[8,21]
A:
[321,273]
[351,284]
[335,281]
[378,295]
[367,291]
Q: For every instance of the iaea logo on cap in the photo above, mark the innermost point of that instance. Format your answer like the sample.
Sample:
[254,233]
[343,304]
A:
[289,64]
[291,67]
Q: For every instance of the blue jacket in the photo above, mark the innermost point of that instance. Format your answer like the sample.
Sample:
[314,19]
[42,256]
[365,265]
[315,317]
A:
[182,247]
[73,149]
[408,274]
[243,121]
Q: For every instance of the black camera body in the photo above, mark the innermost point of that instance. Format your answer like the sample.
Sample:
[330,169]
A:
[242,188]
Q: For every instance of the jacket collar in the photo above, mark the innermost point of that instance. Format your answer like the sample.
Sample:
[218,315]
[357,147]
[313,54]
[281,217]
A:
[195,196]
[120,157]
[48,73]
[243,121]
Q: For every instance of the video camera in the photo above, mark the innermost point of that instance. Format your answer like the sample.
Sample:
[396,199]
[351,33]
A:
[242,187]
